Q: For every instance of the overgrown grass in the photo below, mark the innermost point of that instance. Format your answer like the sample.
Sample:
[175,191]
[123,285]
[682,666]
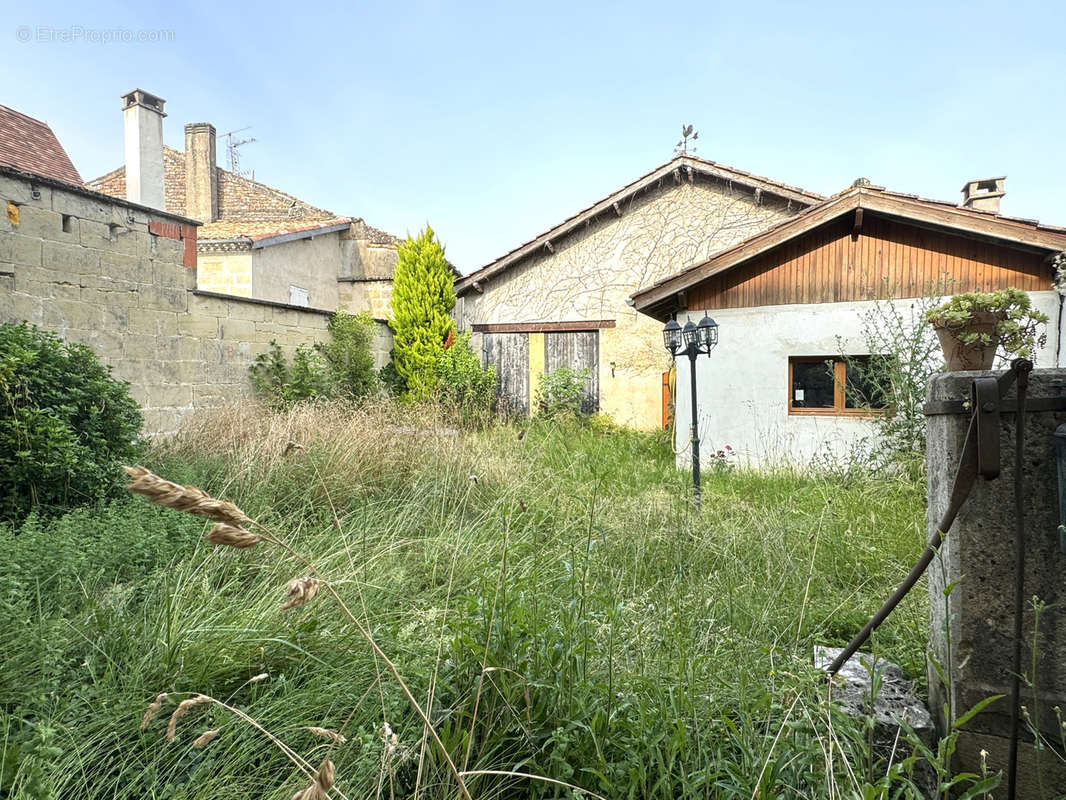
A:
[548,591]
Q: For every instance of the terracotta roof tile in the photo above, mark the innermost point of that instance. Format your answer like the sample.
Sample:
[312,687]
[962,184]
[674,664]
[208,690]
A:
[27,144]
[246,208]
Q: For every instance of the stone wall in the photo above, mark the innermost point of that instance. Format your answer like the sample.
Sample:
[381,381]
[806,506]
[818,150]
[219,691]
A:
[87,266]
[227,272]
[362,294]
[977,559]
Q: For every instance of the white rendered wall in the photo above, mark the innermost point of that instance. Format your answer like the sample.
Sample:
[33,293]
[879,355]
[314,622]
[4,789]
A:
[144,156]
[743,386]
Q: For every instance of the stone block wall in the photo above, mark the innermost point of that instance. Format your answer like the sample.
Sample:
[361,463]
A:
[87,266]
[978,558]
[356,295]
[226,272]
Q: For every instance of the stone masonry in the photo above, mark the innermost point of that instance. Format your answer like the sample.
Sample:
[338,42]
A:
[978,558]
[113,275]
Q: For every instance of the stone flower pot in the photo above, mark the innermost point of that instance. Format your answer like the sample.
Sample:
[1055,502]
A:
[960,356]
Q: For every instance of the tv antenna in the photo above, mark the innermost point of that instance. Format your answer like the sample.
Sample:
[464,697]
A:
[687,132]
[231,149]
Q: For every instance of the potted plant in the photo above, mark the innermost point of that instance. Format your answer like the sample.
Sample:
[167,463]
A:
[972,326]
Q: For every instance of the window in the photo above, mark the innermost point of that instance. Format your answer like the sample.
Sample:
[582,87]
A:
[833,385]
[298,296]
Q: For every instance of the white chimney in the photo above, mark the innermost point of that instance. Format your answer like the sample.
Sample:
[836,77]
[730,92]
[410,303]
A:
[143,114]
[983,194]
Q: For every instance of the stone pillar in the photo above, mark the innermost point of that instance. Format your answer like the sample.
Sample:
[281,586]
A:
[201,175]
[978,557]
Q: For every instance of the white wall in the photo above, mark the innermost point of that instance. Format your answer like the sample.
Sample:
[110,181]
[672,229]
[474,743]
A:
[743,386]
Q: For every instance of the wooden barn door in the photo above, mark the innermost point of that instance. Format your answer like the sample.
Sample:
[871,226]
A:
[577,350]
[509,353]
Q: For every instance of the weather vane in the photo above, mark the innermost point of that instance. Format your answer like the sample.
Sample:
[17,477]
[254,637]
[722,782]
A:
[687,132]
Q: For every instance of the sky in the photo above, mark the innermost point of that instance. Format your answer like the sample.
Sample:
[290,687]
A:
[493,122]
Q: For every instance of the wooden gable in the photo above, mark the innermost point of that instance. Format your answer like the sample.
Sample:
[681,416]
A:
[881,257]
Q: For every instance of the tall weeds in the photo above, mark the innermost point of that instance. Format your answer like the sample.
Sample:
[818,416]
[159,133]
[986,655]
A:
[558,615]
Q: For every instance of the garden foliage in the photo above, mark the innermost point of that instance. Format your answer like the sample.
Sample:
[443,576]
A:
[1016,326]
[422,300]
[559,392]
[891,383]
[465,385]
[66,425]
[342,368]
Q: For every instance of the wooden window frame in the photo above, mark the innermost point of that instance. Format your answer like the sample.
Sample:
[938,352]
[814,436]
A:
[839,408]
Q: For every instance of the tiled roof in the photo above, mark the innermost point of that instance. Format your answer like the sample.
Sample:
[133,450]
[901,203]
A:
[372,234]
[246,208]
[27,144]
[685,162]
[936,213]
[253,230]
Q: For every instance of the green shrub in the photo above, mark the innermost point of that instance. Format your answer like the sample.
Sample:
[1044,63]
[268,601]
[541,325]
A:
[422,299]
[66,426]
[891,382]
[283,384]
[560,392]
[348,358]
[391,380]
[464,383]
[342,368]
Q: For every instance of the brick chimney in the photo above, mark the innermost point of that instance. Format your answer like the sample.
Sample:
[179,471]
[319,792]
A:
[983,194]
[143,119]
[201,177]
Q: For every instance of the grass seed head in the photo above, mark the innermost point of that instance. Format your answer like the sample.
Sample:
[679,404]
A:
[153,709]
[189,499]
[205,738]
[301,591]
[232,536]
[320,786]
[262,676]
[180,711]
[327,733]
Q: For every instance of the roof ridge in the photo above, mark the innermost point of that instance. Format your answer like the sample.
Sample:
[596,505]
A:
[816,215]
[708,166]
[26,116]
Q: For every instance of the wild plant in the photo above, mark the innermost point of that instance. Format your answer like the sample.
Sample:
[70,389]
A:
[231,530]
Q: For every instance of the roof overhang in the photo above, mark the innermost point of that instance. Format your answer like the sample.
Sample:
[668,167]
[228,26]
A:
[682,168]
[292,236]
[661,299]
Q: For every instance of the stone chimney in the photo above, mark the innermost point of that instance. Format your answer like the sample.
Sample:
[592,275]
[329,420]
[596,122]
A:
[201,177]
[983,194]
[143,114]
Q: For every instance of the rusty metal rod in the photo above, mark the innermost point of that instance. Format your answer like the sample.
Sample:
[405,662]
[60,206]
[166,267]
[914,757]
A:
[965,476]
[1023,368]
[964,480]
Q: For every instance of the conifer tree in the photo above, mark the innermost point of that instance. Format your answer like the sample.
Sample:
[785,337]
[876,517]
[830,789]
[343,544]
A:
[422,298]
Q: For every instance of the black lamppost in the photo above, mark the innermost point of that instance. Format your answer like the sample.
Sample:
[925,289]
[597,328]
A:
[692,340]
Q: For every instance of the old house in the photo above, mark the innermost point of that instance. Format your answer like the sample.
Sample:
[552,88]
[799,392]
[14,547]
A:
[560,299]
[790,298]
[255,241]
[119,276]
